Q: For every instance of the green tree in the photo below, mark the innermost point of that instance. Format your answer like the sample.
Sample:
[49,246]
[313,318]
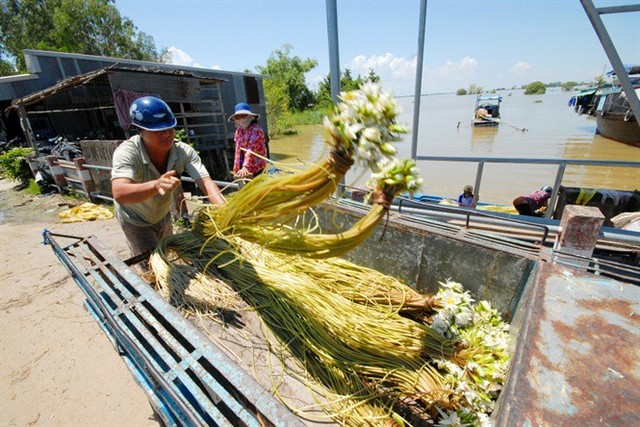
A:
[461,91]
[347,83]
[568,86]
[6,68]
[535,88]
[599,80]
[290,72]
[277,99]
[92,27]
[475,89]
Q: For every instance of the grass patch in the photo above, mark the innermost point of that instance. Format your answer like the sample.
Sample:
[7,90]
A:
[74,195]
[32,189]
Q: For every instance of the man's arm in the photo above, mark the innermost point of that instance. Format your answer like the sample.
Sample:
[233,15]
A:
[210,189]
[126,191]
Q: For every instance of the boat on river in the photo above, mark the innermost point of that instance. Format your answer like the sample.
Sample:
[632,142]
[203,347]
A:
[614,116]
[610,106]
[487,111]
[586,101]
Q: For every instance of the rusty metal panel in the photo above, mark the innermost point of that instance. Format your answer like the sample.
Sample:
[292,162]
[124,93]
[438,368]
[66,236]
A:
[577,359]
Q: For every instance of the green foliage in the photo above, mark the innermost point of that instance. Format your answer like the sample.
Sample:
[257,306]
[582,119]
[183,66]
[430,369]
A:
[347,83]
[535,88]
[475,89]
[72,194]
[6,68]
[308,117]
[461,91]
[568,86]
[277,99]
[14,165]
[288,73]
[92,27]
[180,135]
[32,189]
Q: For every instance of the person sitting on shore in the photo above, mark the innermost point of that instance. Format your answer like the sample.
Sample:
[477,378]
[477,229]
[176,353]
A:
[533,204]
[467,199]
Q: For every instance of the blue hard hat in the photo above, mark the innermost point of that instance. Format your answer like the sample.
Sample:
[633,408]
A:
[547,188]
[151,113]
[243,108]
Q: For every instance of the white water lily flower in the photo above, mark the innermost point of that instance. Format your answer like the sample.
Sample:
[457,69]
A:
[451,419]
[464,317]
[449,299]
[484,420]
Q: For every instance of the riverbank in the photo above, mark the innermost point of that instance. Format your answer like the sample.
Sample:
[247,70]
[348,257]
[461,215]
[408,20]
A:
[57,367]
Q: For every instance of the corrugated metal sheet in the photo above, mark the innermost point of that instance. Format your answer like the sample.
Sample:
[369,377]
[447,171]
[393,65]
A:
[170,88]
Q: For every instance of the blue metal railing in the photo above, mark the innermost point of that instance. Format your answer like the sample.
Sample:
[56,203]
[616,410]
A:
[561,163]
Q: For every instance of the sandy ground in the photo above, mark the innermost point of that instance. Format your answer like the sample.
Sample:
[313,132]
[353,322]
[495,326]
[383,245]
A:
[57,366]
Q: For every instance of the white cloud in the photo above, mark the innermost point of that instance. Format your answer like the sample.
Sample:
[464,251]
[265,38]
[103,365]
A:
[314,80]
[180,57]
[387,64]
[460,70]
[521,67]
[396,73]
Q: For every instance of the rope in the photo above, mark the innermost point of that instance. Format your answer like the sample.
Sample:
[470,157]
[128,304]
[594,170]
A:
[339,163]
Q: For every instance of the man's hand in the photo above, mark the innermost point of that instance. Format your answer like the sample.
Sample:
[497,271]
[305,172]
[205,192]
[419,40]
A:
[166,182]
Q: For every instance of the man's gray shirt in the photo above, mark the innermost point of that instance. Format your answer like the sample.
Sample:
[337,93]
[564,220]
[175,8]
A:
[131,160]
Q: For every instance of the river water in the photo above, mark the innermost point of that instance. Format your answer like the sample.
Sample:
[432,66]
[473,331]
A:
[553,131]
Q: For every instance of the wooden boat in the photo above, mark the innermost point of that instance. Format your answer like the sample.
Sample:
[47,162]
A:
[614,117]
[615,120]
[585,101]
[487,111]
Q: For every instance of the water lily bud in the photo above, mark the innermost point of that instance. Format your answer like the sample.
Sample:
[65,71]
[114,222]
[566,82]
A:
[388,149]
[397,128]
[372,134]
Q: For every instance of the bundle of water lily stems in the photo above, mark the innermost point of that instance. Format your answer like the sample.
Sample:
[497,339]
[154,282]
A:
[377,364]
[385,354]
[360,130]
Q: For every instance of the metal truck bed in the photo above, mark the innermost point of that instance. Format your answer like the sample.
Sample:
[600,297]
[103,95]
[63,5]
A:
[189,381]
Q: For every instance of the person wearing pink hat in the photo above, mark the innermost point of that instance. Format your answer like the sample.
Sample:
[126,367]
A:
[250,143]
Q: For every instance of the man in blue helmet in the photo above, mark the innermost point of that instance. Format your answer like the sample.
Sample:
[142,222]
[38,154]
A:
[145,173]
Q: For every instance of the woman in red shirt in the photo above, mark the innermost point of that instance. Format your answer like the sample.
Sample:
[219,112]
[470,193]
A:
[532,204]
[249,142]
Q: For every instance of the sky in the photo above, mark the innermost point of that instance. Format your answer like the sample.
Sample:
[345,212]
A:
[489,43]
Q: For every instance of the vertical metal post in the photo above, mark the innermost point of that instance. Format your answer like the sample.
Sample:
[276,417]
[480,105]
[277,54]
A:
[418,89]
[553,200]
[334,63]
[476,185]
[334,55]
[610,50]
